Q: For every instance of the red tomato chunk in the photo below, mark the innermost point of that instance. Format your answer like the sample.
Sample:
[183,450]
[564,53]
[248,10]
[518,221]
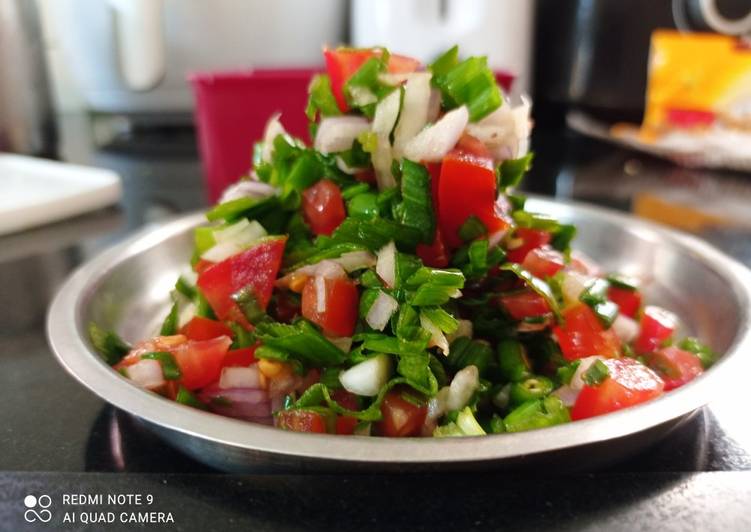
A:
[628,384]
[255,268]
[675,366]
[657,325]
[582,335]
[323,207]
[402,416]
[340,308]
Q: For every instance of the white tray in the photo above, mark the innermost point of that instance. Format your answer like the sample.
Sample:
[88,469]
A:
[40,191]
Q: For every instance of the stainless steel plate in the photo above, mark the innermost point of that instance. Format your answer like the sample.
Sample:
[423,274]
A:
[126,289]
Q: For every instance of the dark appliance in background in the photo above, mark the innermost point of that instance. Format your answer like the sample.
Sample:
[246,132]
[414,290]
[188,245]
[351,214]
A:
[591,55]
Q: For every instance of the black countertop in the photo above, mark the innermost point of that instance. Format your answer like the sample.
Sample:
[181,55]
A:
[57,438]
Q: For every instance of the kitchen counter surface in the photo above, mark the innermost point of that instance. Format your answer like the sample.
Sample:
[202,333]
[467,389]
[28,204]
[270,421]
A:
[58,438]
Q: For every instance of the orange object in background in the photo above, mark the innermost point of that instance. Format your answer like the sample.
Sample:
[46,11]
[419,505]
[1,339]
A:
[697,80]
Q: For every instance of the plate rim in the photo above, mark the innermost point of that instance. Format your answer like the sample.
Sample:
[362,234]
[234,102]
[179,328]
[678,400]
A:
[65,335]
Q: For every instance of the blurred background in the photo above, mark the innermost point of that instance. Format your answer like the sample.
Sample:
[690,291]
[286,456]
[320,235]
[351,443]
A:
[161,100]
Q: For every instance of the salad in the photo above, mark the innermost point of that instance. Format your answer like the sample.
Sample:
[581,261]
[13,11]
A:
[387,280]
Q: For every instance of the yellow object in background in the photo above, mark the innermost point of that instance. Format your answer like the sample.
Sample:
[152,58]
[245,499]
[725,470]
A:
[697,80]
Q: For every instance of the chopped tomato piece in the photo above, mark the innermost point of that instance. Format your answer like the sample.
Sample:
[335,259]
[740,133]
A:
[255,268]
[201,362]
[434,255]
[342,63]
[675,366]
[543,262]
[629,383]
[337,314]
[301,421]
[244,357]
[345,425]
[582,335]
[524,304]
[531,239]
[323,207]
[200,328]
[657,325]
[466,187]
[628,301]
[403,412]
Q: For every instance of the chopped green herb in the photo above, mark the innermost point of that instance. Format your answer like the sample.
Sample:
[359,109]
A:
[511,171]
[596,373]
[108,344]
[703,351]
[472,228]
[186,397]
[170,324]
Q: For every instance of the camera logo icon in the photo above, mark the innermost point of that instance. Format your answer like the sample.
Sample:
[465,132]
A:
[37,508]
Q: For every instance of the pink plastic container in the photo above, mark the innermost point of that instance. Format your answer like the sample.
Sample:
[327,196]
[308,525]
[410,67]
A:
[232,109]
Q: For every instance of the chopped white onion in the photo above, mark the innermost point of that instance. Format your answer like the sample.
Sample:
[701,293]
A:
[577,380]
[434,142]
[437,405]
[368,377]
[502,397]
[327,268]
[625,328]
[273,129]
[505,131]
[240,377]
[344,343]
[574,283]
[567,395]
[355,260]
[434,105]
[381,311]
[386,113]
[437,338]
[386,264]
[462,386]
[337,133]
[393,79]
[187,313]
[415,107]
[362,95]
[190,276]
[247,189]
[146,373]
[381,159]
[241,233]
[320,285]
[221,251]
[384,119]
[233,239]
[463,330]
